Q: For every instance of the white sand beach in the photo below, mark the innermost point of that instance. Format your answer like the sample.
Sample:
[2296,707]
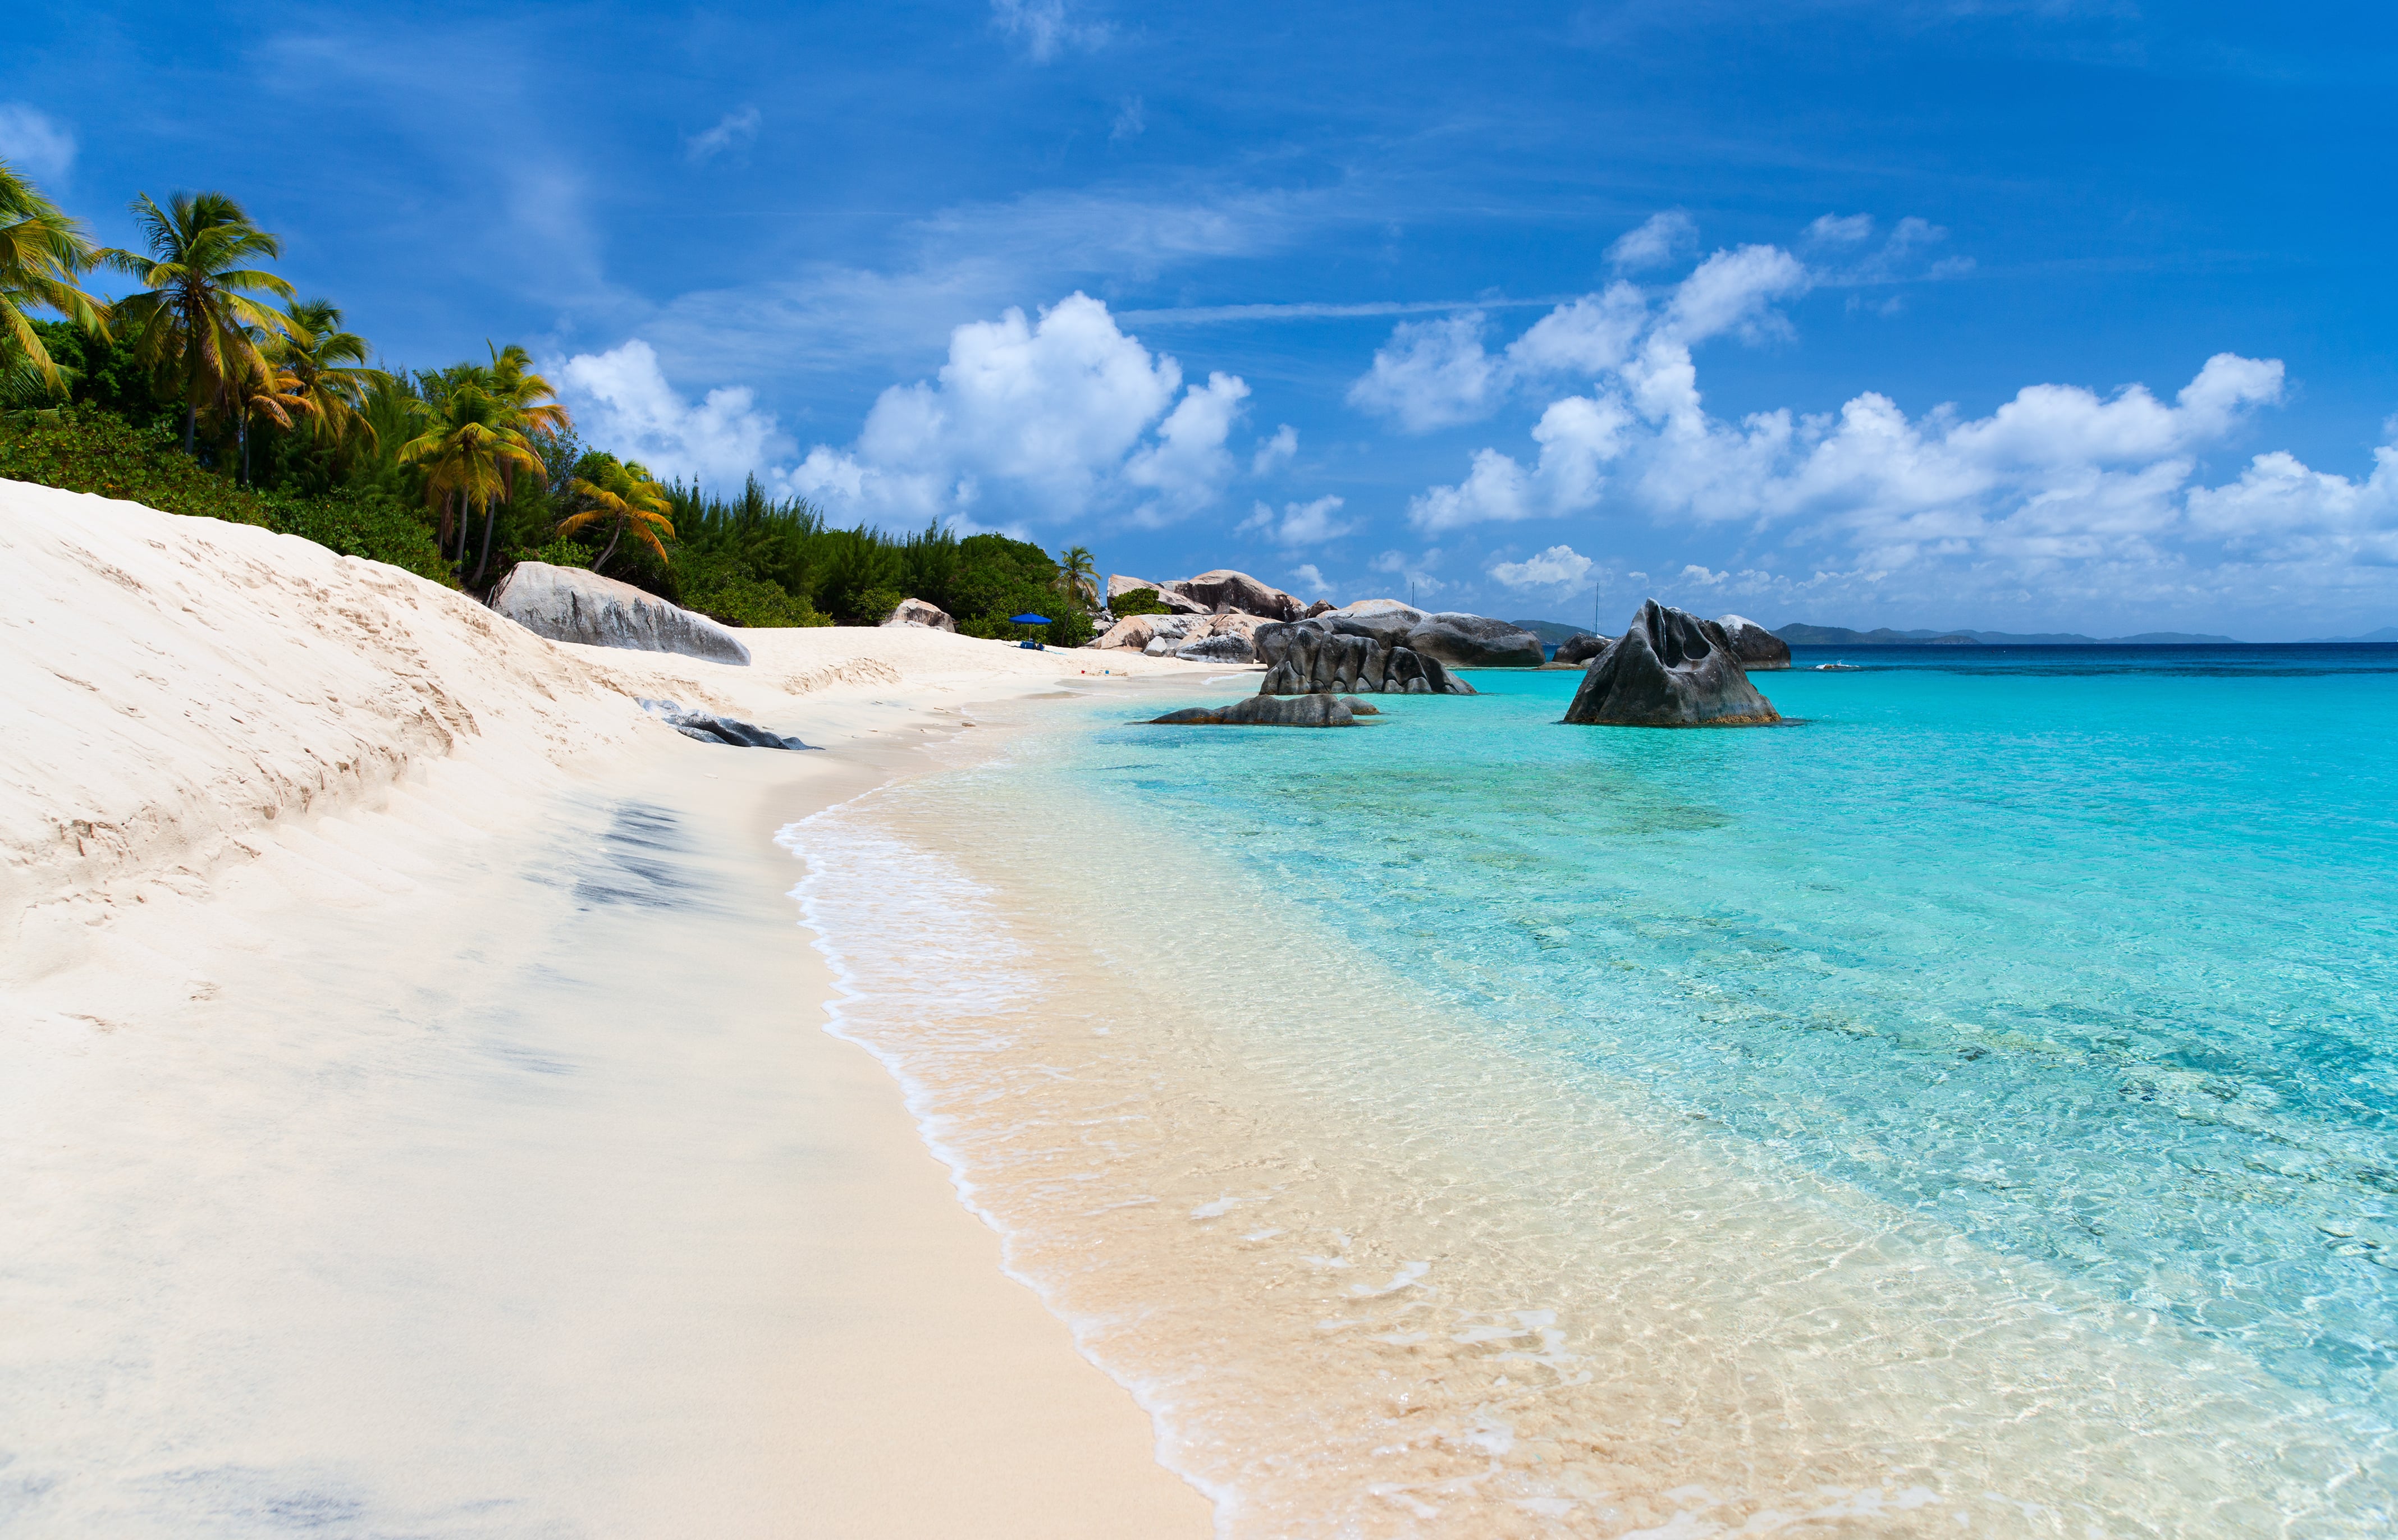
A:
[414,1108]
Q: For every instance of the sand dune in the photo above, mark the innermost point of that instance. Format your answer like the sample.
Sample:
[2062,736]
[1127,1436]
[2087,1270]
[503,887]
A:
[413,1108]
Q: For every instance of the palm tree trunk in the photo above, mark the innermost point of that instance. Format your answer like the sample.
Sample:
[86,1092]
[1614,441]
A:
[611,546]
[243,433]
[191,426]
[490,515]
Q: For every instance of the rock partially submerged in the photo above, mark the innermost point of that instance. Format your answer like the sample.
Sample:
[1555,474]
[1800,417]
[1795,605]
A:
[567,604]
[1670,669]
[1475,641]
[1266,711]
[1755,646]
[1581,648]
[1350,654]
[709,729]
[932,617]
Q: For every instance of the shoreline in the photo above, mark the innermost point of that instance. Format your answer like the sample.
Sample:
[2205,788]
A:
[450,1141]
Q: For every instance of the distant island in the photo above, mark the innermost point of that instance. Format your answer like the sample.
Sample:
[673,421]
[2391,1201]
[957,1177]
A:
[1799,633]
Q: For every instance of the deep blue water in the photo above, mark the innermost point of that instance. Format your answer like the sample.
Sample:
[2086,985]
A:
[2087,951]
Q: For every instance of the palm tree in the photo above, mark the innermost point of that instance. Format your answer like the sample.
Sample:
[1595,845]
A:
[469,451]
[325,366]
[528,396]
[275,394]
[196,320]
[1078,569]
[622,493]
[41,251]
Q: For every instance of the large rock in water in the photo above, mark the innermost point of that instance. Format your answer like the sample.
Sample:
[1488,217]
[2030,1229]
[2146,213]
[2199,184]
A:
[567,604]
[1581,648]
[1358,654]
[1475,641]
[1755,646]
[1224,590]
[1266,711]
[1670,670]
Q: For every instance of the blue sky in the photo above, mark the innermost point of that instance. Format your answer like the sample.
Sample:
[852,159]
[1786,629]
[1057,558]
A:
[1970,314]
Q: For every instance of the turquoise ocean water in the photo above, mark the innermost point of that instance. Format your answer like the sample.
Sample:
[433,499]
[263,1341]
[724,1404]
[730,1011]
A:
[2086,953]
[1971,1106]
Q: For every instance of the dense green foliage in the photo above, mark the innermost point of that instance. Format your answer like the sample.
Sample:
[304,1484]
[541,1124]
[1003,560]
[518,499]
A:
[1139,601]
[725,551]
[214,391]
[91,449]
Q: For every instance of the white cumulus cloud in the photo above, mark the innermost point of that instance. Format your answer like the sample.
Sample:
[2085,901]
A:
[1276,451]
[623,403]
[2058,499]
[1056,417]
[1559,567]
[1432,374]
[1298,523]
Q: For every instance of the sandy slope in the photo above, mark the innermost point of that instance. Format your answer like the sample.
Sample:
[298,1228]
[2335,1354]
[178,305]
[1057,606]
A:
[412,1114]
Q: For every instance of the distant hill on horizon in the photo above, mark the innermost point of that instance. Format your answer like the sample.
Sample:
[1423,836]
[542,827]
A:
[2387,633]
[1552,632]
[1799,633]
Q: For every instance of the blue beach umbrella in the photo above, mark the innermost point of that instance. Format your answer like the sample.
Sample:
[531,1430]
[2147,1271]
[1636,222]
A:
[1028,620]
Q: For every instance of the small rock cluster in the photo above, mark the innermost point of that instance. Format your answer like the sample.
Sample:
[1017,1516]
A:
[1273,711]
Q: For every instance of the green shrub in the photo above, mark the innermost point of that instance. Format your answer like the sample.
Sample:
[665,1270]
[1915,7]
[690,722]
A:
[875,604]
[1141,601]
[565,550]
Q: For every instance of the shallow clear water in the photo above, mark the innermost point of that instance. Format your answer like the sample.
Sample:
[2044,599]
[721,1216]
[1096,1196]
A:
[2086,955]
[2069,968]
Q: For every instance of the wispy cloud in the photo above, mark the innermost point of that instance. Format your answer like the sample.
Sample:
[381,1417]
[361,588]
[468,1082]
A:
[34,142]
[1308,311]
[1046,27]
[734,130]
[1132,119]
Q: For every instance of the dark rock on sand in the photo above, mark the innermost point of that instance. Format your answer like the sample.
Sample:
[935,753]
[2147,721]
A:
[1266,711]
[567,604]
[719,730]
[1755,646]
[1671,669]
[919,612]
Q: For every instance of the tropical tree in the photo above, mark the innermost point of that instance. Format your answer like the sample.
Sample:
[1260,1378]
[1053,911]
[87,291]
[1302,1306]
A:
[41,252]
[531,403]
[197,321]
[622,495]
[1078,573]
[327,367]
[273,392]
[468,452]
